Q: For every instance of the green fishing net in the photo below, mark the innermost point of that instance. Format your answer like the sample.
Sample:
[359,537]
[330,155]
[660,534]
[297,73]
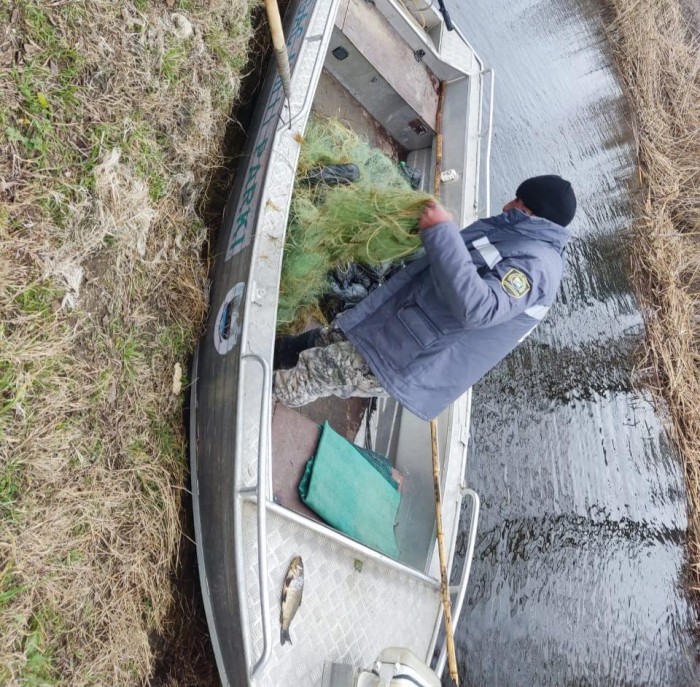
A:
[371,221]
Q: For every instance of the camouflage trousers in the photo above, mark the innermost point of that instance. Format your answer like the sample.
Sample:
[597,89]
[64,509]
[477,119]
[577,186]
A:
[333,367]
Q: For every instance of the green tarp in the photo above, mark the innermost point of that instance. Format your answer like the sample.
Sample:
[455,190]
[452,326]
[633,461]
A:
[352,492]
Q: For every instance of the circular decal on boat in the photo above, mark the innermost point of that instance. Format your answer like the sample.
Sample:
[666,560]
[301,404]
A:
[228,326]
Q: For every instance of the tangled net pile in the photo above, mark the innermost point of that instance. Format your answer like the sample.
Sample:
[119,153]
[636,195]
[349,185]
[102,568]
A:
[371,221]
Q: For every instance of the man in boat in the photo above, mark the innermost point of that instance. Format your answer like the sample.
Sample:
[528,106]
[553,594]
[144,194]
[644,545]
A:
[441,323]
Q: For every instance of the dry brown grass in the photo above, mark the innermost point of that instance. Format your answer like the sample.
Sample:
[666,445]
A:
[111,118]
[659,59]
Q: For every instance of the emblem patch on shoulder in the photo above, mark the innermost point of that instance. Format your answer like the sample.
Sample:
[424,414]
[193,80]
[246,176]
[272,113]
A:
[515,283]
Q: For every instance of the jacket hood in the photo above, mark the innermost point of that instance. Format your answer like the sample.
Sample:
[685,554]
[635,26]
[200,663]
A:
[532,227]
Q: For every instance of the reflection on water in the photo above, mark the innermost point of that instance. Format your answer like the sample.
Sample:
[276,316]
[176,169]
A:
[579,567]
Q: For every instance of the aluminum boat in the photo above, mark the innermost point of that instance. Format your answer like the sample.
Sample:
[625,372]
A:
[377,65]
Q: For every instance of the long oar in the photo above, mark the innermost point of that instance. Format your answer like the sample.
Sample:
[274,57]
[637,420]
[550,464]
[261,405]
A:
[444,582]
[279,45]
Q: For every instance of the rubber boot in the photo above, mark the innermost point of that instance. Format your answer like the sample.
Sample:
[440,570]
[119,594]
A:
[288,348]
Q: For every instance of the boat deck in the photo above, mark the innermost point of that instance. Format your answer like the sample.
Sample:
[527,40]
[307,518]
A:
[295,433]
[352,608]
[362,591]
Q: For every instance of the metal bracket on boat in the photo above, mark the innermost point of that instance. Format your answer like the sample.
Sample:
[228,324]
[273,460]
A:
[263,443]
[461,588]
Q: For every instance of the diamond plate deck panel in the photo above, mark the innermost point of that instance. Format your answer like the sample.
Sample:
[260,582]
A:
[346,615]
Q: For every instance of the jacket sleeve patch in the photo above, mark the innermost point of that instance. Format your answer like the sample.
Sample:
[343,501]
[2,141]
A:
[515,283]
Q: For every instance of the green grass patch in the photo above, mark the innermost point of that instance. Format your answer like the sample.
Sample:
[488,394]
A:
[11,591]
[150,488]
[102,386]
[97,449]
[45,91]
[38,28]
[11,480]
[174,64]
[147,150]
[223,42]
[74,556]
[23,385]
[176,339]
[39,669]
[8,395]
[80,529]
[37,299]
[10,587]
[166,439]
[219,40]
[130,349]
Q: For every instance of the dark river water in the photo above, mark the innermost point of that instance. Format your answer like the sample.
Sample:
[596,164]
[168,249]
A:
[579,571]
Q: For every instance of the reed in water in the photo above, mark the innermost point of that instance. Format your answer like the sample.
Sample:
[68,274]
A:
[657,51]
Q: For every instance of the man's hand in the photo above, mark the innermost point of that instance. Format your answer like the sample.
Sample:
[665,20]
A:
[433,214]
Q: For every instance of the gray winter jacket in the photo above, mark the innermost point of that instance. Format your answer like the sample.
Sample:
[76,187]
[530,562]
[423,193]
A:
[440,324]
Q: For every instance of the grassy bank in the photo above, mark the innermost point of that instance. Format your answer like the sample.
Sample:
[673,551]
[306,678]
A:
[112,115]
[659,58]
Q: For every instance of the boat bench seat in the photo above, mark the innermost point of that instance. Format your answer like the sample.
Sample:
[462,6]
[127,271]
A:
[371,60]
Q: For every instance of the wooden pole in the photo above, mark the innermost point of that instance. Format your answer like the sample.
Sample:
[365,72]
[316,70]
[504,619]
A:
[278,43]
[444,582]
[438,141]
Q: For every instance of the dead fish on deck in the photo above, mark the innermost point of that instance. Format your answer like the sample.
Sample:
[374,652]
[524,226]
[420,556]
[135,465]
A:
[292,590]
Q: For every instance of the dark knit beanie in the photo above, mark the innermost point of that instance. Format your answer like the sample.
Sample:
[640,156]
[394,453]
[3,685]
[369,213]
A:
[549,196]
